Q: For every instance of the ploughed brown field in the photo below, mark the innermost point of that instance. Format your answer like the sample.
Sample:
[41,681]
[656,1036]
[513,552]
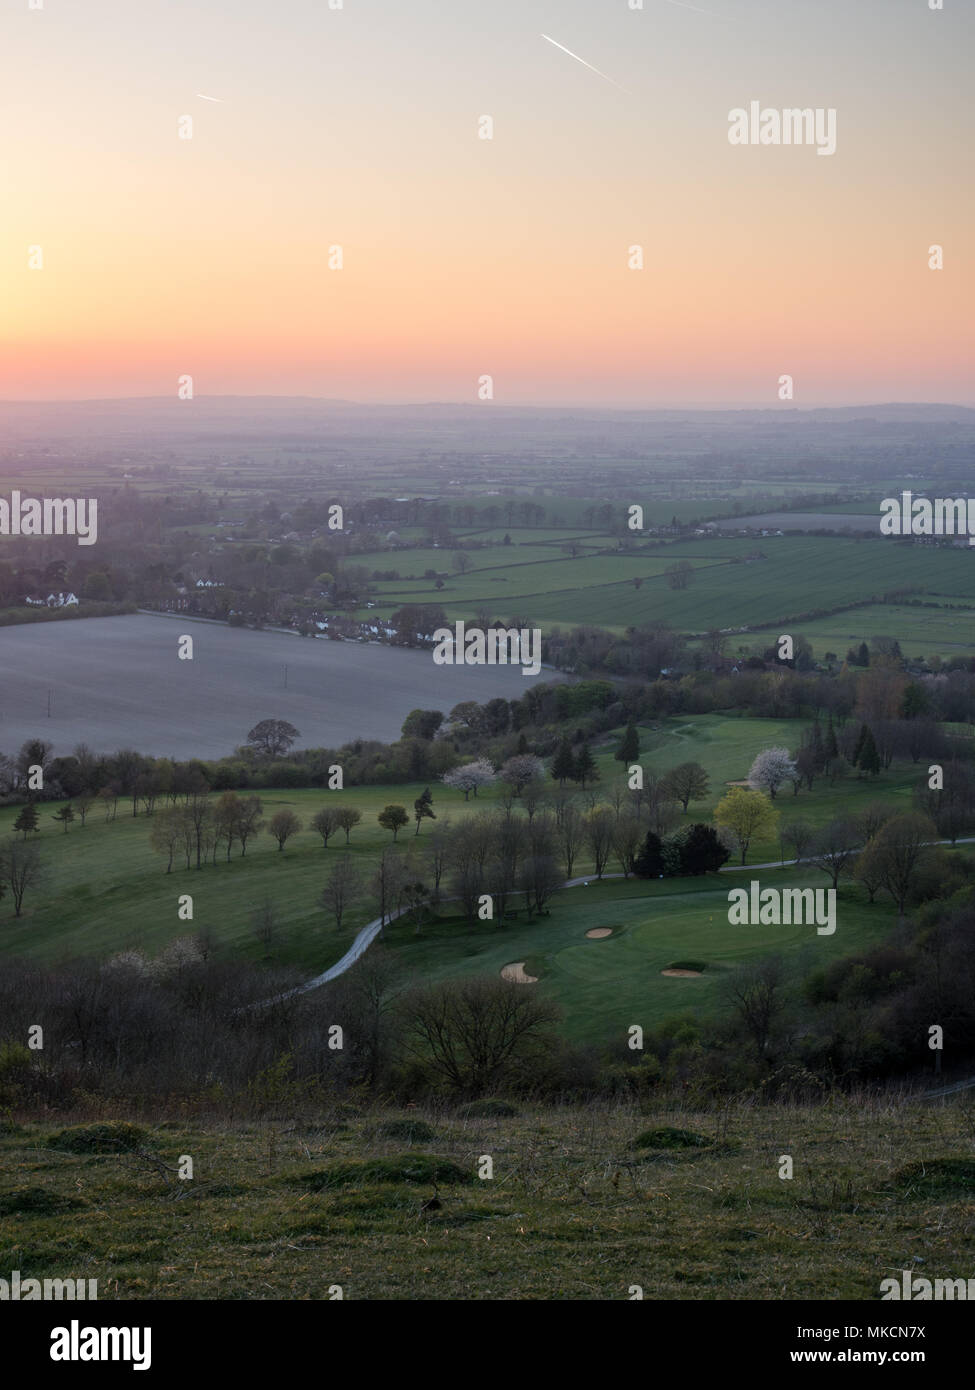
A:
[118,682]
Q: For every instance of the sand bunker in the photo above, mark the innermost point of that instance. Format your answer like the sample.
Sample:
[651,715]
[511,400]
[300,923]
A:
[598,932]
[682,974]
[516,973]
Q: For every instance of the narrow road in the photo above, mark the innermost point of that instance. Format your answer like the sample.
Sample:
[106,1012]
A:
[784,863]
[363,940]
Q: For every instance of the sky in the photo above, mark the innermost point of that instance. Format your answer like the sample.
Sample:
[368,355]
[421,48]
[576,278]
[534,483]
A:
[464,258]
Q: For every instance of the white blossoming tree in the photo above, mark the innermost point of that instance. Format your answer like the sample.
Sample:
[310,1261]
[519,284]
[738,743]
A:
[771,769]
[470,776]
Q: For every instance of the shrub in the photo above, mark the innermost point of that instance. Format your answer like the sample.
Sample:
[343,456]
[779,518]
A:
[411,1131]
[16,1071]
[98,1139]
[935,1178]
[403,1168]
[488,1109]
[37,1201]
[669,1138]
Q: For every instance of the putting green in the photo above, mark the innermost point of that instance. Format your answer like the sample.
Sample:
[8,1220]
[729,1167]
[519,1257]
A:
[604,991]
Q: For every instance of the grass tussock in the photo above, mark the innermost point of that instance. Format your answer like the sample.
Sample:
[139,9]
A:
[99,1139]
[567,1208]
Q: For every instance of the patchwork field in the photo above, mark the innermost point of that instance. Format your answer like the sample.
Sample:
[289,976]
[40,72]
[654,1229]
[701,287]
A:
[737,582]
[921,632]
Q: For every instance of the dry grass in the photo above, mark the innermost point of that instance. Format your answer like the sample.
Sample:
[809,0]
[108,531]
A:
[573,1210]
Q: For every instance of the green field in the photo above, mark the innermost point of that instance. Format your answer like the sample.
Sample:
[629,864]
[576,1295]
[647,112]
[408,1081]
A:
[796,575]
[528,584]
[921,632]
[605,985]
[415,562]
[105,891]
[726,746]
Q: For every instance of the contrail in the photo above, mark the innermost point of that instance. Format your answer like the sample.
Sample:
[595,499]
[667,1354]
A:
[681,6]
[206,98]
[584,63]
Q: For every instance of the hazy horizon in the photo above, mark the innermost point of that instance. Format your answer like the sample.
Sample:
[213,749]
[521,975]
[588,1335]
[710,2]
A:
[776,407]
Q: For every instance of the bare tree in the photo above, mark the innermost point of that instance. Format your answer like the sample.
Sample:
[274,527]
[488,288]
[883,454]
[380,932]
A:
[199,813]
[470,848]
[685,783]
[325,822]
[373,996]
[679,574]
[282,825]
[835,849]
[618,795]
[437,851]
[571,831]
[387,881]
[226,814]
[211,839]
[534,794]
[187,836]
[347,818]
[249,820]
[899,848]
[20,869]
[952,807]
[627,837]
[166,834]
[755,992]
[657,803]
[600,824]
[147,788]
[869,870]
[342,888]
[507,799]
[868,820]
[265,923]
[472,1033]
[413,897]
[36,752]
[797,835]
[539,878]
[501,873]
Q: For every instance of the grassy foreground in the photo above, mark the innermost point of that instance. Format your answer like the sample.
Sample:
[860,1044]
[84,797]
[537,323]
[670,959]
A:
[574,1210]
